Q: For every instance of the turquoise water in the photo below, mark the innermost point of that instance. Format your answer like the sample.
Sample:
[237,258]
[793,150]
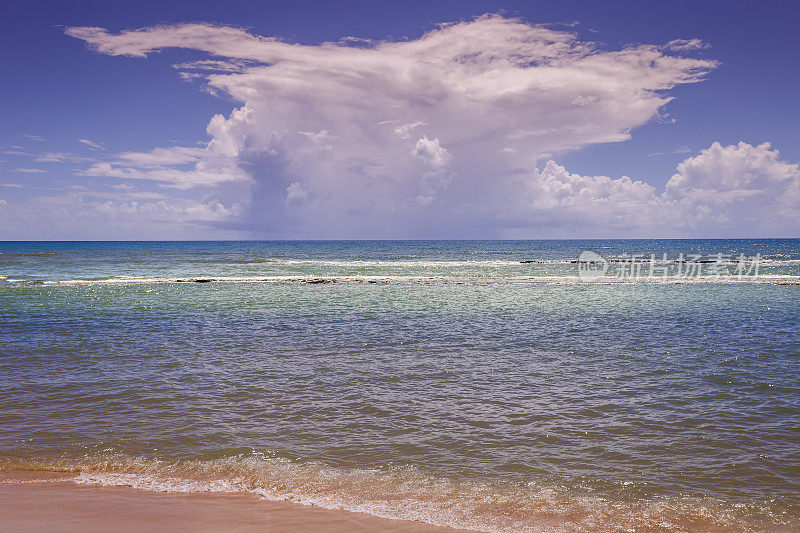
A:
[478,384]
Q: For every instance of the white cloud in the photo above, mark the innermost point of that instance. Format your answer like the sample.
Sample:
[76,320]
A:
[554,187]
[62,157]
[28,170]
[389,138]
[681,150]
[686,45]
[212,65]
[445,131]
[437,159]
[737,190]
[738,186]
[174,155]
[33,137]
[91,144]
[404,130]
[96,215]
[432,152]
[177,166]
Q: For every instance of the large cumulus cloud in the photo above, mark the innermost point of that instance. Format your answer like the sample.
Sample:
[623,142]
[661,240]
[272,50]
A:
[444,135]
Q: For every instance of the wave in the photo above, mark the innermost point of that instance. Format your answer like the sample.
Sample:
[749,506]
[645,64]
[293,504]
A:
[776,279]
[26,254]
[449,263]
[381,263]
[408,493]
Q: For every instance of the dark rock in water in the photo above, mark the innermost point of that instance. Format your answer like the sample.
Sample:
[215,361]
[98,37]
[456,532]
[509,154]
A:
[529,261]
[203,280]
[317,280]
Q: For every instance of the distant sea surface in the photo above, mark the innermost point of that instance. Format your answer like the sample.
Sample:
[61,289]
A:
[486,385]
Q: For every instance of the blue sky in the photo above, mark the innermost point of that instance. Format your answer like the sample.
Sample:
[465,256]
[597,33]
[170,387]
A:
[70,109]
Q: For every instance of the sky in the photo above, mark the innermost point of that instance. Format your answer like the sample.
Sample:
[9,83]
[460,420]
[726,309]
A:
[395,120]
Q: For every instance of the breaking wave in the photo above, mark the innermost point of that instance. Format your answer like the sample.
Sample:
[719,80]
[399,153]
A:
[407,493]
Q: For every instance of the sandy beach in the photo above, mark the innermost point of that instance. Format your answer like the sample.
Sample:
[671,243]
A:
[51,502]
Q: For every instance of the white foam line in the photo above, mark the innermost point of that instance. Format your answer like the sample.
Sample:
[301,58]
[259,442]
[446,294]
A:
[642,258]
[778,279]
[440,502]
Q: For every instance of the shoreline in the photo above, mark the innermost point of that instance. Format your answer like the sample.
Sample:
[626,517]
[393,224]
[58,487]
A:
[51,501]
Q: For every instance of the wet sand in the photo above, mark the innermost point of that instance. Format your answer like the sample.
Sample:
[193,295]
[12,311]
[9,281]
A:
[50,502]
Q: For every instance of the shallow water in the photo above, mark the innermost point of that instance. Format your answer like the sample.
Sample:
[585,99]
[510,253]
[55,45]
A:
[447,382]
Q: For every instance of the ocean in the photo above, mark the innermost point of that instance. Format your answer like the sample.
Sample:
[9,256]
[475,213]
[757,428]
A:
[618,385]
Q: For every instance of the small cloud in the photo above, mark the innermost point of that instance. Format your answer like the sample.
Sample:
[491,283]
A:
[569,24]
[91,144]
[29,170]
[11,185]
[190,76]
[404,131]
[295,193]
[50,158]
[681,150]
[13,152]
[175,155]
[33,137]
[213,65]
[686,45]
[355,41]
[432,152]
[61,157]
